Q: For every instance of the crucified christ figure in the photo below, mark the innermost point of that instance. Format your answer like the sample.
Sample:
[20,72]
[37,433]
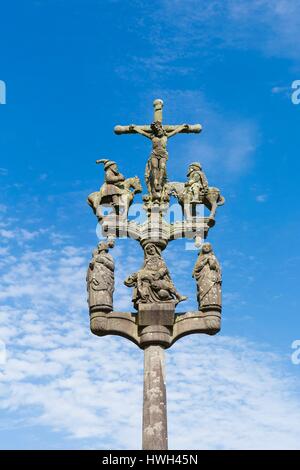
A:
[156,174]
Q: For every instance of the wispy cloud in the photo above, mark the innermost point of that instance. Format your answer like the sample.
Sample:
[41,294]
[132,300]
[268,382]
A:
[261,24]
[186,30]
[224,392]
[261,197]
[227,142]
[237,396]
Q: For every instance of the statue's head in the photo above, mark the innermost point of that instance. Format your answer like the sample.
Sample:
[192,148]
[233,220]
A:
[195,166]
[151,249]
[104,246]
[206,248]
[108,164]
[111,165]
[114,167]
[110,243]
[157,128]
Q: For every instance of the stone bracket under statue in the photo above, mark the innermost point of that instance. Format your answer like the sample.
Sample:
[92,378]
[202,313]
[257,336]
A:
[155,324]
[156,229]
[155,298]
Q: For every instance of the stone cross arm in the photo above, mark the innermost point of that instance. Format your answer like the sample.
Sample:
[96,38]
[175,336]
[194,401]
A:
[158,117]
[190,129]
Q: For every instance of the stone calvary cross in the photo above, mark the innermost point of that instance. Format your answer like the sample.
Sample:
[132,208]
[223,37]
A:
[154,326]
[158,117]
[159,134]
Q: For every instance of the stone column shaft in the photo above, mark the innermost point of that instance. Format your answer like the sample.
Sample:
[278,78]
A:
[155,435]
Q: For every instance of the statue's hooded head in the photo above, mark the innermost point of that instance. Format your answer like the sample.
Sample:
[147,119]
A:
[157,128]
[151,250]
[206,248]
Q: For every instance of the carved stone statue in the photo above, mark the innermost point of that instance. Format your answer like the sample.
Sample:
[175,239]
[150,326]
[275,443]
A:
[156,173]
[197,185]
[115,192]
[155,325]
[100,278]
[195,191]
[207,273]
[153,284]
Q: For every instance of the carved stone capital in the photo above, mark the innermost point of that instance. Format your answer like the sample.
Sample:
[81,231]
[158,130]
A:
[196,322]
[159,332]
[115,323]
[156,230]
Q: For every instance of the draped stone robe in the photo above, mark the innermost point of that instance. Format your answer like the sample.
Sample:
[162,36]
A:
[207,273]
[100,282]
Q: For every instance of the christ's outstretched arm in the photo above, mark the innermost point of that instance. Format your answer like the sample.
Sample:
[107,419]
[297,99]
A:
[140,131]
[177,130]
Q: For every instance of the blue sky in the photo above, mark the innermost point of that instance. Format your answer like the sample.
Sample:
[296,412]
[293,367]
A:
[73,70]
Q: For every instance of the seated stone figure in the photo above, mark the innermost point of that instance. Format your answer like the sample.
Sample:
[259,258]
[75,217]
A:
[153,284]
[115,191]
[195,191]
[197,185]
[112,187]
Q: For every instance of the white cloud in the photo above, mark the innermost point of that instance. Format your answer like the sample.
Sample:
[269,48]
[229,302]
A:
[232,395]
[264,25]
[10,229]
[223,392]
[27,235]
[186,31]
[57,238]
[6,233]
[2,353]
[261,197]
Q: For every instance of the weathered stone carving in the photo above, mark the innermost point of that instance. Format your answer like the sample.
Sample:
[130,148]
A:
[195,191]
[156,325]
[207,273]
[153,284]
[156,171]
[197,185]
[115,192]
[100,279]
[127,325]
